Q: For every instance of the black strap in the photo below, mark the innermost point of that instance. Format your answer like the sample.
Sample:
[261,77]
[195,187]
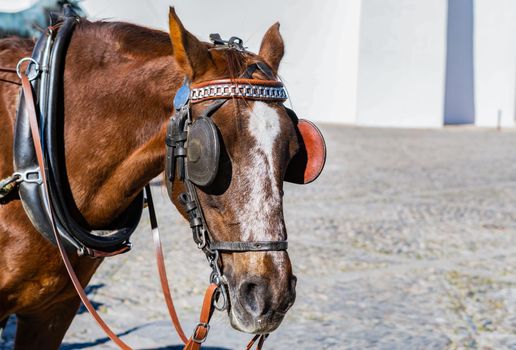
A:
[249,246]
[258,66]
[67,213]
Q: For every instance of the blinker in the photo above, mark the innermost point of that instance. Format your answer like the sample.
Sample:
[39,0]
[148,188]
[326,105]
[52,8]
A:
[202,152]
[309,161]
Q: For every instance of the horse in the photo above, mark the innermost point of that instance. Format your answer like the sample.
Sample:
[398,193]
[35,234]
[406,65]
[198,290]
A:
[119,83]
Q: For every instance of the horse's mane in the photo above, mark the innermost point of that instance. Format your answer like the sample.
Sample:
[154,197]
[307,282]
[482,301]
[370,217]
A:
[147,42]
[10,42]
[129,37]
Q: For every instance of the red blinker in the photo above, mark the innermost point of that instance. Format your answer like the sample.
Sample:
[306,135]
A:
[309,162]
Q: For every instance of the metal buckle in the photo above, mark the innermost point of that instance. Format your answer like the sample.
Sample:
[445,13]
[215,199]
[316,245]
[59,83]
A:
[203,339]
[28,177]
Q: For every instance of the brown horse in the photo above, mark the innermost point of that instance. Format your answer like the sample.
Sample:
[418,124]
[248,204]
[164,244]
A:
[119,83]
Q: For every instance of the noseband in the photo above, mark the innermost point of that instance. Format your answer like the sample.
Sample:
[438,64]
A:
[193,156]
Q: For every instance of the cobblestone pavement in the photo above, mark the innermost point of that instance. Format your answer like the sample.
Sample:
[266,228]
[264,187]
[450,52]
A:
[407,241]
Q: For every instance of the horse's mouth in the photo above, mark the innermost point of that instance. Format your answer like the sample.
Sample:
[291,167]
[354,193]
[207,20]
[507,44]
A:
[260,325]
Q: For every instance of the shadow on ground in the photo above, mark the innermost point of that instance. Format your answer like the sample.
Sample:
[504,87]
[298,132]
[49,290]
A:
[104,340]
[87,345]
[8,333]
[180,347]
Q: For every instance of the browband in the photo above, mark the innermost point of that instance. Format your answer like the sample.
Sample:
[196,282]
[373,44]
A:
[249,89]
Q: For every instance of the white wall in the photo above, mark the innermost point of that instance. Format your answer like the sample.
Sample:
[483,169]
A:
[495,61]
[320,65]
[402,63]
[15,5]
[369,62]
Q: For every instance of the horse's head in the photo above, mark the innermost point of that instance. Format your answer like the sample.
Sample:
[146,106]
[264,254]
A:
[244,202]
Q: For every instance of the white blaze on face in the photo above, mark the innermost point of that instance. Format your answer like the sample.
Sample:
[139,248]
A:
[262,190]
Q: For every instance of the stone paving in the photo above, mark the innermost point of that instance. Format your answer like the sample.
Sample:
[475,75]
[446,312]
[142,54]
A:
[407,241]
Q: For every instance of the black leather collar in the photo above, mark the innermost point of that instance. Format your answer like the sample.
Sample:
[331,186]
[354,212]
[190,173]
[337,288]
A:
[50,53]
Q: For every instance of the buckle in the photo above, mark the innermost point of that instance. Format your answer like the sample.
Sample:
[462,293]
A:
[203,339]
[30,176]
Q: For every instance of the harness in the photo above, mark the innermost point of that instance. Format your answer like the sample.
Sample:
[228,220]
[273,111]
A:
[192,155]
[45,70]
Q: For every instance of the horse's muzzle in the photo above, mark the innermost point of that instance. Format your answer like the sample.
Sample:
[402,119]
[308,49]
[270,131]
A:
[259,304]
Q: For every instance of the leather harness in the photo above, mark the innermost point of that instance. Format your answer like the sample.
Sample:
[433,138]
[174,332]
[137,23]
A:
[45,70]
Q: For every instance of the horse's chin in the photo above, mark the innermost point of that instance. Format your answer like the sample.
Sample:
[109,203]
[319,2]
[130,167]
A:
[262,325]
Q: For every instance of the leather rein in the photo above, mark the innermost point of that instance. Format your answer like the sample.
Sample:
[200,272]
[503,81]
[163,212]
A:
[216,295]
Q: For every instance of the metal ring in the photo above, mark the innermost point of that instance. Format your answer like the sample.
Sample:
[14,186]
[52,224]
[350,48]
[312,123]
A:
[31,60]
[220,296]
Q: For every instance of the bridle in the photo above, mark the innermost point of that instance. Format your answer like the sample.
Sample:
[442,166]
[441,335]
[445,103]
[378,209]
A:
[218,92]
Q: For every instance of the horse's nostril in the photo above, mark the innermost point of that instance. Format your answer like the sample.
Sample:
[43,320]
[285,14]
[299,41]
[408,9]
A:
[255,296]
[293,282]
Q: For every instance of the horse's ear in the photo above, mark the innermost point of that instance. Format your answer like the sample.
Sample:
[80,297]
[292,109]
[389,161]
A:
[190,54]
[272,47]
